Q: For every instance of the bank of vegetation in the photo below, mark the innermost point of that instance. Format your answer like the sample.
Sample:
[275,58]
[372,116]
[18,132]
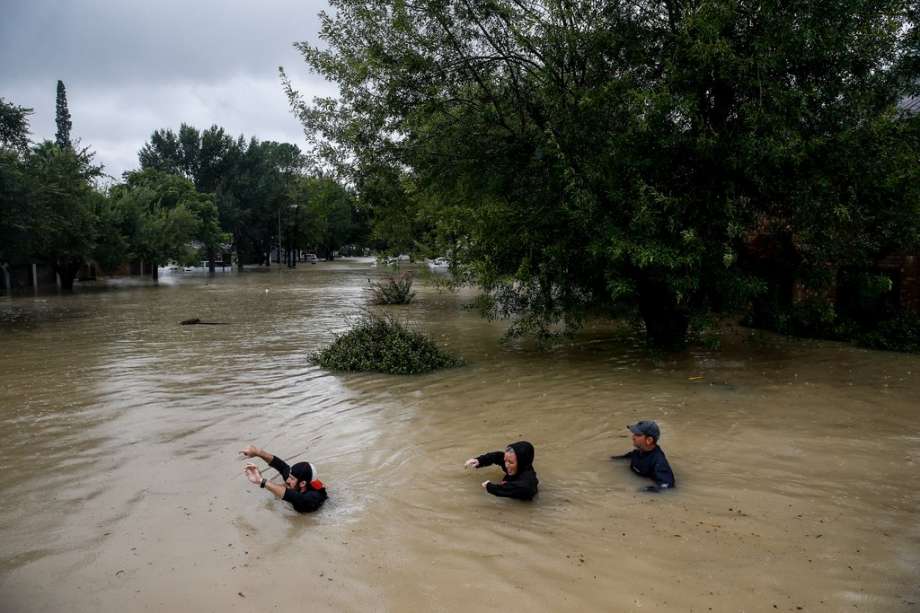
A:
[381,343]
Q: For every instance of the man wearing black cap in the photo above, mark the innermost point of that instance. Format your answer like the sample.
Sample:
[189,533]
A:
[303,490]
[647,459]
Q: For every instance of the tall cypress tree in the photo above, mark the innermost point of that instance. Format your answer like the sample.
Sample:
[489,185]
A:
[62,119]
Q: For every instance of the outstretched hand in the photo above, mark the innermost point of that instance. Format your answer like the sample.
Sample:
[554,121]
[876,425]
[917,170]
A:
[471,463]
[250,452]
[252,473]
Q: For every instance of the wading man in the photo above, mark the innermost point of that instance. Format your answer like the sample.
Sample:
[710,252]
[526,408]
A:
[301,488]
[648,459]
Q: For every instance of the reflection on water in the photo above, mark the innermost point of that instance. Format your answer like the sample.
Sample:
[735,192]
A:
[122,488]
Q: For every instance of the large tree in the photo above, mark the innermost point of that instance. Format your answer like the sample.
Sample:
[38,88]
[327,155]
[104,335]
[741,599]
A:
[15,214]
[62,118]
[62,201]
[159,215]
[14,126]
[250,180]
[324,216]
[577,154]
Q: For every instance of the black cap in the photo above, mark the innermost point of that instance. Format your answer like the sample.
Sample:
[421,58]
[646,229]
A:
[302,471]
[646,428]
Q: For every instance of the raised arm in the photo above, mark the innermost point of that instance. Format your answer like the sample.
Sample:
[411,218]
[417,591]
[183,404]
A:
[255,477]
[272,460]
[254,452]
[488,459]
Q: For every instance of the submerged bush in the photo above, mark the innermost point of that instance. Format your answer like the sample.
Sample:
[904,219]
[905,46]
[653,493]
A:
[393,290]
[382,344]
[814,319]
[901,333]
[811,318]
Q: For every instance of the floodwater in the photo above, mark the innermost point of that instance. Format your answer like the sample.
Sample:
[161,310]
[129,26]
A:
[122,489]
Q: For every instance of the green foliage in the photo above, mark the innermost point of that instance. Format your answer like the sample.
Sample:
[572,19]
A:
[15,212]
[329,213]
[14,127]
[814,318]
[62,200]
[258,186]
[62,119]
[158,214]
[112,247]
[48,200]
[382,344]
[575,155]
[901,333]
[392,290]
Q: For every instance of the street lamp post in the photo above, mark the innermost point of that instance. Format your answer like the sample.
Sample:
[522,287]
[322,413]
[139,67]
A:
[292,255]
[291,206]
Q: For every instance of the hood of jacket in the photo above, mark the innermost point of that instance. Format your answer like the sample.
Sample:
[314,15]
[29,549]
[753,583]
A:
[524,452]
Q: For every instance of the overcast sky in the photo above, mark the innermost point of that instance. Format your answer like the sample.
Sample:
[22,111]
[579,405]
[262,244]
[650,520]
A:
[131,67]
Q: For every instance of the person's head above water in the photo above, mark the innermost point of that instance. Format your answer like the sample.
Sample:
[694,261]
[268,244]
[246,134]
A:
[518,457]
[645,435]
[300,476]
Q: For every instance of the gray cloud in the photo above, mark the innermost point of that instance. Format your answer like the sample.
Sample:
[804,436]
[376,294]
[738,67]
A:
[131,67]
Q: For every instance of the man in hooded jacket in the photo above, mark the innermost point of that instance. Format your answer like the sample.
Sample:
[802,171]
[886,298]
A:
[302,489]
[516,461]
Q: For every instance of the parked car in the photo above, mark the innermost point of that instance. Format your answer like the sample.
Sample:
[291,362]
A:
[311,257]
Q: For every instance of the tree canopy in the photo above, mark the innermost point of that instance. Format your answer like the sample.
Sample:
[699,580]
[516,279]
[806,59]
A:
[578,155]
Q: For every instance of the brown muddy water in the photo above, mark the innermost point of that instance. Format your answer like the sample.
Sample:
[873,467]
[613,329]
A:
[121,485]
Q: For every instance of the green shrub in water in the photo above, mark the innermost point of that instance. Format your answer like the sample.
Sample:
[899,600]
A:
[382,344]
[393,290]
[901,333]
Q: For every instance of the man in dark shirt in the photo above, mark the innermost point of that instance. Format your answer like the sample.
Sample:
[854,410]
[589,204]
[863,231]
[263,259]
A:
[302,489]
[647,459]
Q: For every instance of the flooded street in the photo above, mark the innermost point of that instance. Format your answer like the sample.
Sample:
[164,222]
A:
[122,489]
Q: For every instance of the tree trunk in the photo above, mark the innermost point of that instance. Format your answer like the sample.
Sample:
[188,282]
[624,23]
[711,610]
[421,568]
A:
[211,267]
[67,271]
[666,322]
[6,277]
[155,272]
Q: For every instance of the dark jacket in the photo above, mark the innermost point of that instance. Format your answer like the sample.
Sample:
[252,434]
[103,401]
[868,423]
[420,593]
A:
[523,484]
[652,464]
[306,501]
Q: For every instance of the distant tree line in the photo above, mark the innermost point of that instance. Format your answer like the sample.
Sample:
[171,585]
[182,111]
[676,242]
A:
[195,194]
